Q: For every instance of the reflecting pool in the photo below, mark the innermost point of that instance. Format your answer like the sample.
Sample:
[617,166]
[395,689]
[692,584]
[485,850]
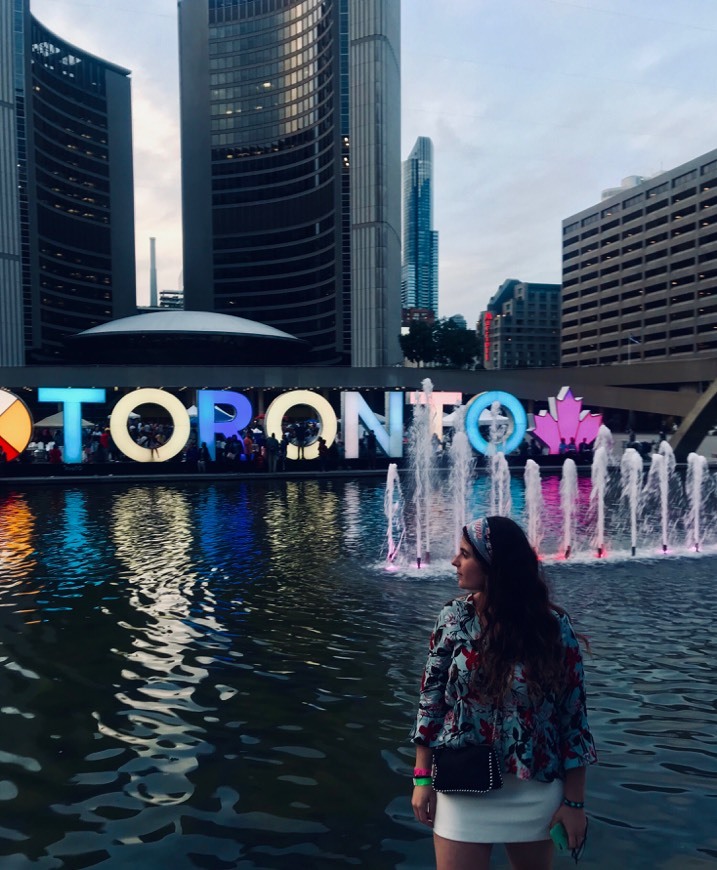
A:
[223,675]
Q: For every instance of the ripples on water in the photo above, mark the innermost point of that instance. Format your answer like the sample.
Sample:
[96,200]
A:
[223,676]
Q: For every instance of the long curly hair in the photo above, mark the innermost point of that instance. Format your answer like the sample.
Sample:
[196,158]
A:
[519,623]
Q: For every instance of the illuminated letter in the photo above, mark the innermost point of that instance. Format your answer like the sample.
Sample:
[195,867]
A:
[278,408]
[208,427]
[71,400]
[475,408]
[132,450]
[437,403]
[354,407]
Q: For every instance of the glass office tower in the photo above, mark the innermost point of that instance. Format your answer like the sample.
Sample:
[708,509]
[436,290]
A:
[283,209]
[66,190]
[419,276]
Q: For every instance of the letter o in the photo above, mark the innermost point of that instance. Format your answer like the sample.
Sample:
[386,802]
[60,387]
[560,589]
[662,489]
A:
[479,403]
[277,411]
[146,396]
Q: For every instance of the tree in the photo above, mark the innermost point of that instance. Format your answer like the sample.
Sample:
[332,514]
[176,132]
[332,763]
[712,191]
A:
[444,343]
[455,347]
[418,344]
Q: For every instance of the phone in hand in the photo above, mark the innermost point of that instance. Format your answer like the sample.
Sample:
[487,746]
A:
[559,836]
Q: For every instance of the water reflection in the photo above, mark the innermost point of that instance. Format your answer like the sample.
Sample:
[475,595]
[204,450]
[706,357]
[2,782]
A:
[211,665]
[158,717]
[17,555]
[17,522]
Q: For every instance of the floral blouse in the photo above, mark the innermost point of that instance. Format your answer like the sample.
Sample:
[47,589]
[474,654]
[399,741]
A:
[536,740]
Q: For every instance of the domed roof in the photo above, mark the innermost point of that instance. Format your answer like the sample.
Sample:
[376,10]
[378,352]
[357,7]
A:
[174,337]
[199,322]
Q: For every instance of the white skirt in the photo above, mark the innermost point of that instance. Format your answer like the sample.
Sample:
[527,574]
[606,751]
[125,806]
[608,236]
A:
[520,812]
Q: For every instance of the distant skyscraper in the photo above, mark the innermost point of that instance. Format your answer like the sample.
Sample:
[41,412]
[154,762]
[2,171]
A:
[291,169]
[419,277]
[459,320]
[66,191]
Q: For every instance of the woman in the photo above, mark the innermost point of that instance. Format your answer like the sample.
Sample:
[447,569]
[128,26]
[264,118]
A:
[504,667]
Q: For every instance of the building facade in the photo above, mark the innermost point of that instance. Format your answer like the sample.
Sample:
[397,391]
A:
[291,169]
[521,326]
[419,274]
[66,190]
[173,299]
[640,271]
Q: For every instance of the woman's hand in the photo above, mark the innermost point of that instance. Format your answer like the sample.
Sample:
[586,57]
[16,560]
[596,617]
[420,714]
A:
[424,804]
[574,822]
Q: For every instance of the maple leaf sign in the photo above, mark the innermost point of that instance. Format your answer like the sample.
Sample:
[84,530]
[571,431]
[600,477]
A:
[566,420]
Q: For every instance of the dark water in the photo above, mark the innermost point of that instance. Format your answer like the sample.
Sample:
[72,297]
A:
[223,676]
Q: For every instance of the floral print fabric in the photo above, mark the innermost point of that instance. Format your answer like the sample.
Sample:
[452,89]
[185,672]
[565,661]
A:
[535,740]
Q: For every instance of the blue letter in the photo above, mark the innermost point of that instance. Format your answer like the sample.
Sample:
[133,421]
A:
[479,404]
[71,400]
[208,426]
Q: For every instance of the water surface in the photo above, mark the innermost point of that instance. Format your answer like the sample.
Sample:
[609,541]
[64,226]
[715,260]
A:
[223,675]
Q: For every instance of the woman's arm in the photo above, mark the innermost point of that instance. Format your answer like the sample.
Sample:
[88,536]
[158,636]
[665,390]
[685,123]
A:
[432,710]
[573,818]
[432,706]
[576,741]
[423,800]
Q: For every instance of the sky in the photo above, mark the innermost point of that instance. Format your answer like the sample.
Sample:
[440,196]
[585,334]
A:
[534,108]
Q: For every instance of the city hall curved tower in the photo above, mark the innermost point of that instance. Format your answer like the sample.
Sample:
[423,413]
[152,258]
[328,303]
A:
[291,169]
[66,190]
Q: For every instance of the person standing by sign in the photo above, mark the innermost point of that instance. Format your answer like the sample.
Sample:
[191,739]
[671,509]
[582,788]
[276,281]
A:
[504,669]
[272,452]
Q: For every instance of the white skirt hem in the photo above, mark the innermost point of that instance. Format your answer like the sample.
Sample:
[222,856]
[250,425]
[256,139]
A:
[520,812]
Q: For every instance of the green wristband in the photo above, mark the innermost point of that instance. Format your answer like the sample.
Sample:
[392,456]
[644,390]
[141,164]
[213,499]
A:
[576,805]
[422,780]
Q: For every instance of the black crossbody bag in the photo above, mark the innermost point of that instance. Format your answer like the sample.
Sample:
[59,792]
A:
[468,770]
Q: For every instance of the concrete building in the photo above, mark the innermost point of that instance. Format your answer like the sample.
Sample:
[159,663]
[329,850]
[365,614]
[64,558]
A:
[173,299]
[521,326]
[640,271]
[291,192]
[66,193]
[419,274]
[411,315]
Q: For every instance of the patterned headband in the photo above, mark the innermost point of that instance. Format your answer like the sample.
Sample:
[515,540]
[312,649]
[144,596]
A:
[479,535]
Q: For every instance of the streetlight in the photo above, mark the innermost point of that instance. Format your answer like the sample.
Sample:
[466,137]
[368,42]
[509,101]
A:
[630,341]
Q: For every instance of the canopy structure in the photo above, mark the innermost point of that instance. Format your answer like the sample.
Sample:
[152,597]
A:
[485,419]
[56,421]
[220,415]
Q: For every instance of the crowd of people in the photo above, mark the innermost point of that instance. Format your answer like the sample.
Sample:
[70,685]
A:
[249,450]
[253,449]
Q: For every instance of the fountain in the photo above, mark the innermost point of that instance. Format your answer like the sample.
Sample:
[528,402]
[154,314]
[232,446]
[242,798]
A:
[697,476]
[393,509]
[422,458]
[660,480]
[501,502]
[652,500]
[533,503]
[568,504]
[598,476]
[461,461]
[631,471]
